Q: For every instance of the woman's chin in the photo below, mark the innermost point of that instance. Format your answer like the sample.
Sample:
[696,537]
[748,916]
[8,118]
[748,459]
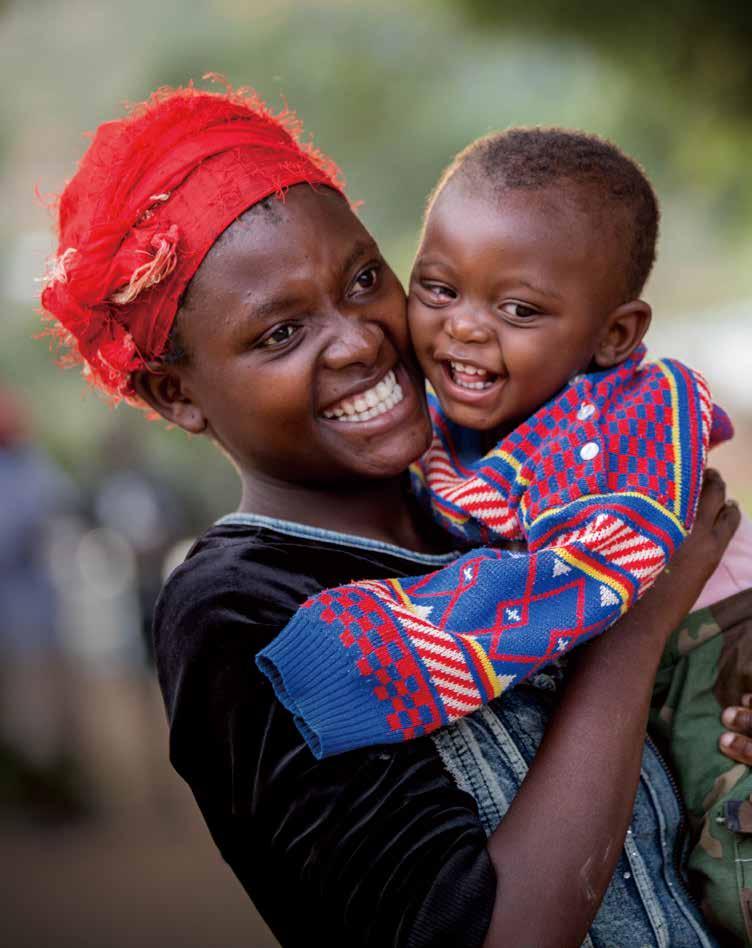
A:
[385,444]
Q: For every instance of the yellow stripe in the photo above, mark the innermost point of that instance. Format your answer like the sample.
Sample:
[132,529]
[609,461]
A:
[417,471]
[496,684]
[484,660]
[454,517]
[676,438]
[401,594]
[512,462]
[591,571]
[615,496]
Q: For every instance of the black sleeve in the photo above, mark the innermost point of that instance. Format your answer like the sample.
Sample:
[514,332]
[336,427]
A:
[371,848]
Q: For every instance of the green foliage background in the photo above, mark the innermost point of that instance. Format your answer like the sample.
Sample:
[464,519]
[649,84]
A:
[392,91]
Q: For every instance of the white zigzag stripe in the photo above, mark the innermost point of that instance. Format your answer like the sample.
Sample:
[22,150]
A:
[496,514]
[441,651]
[456,709]
[484,498]
[593,532]
[645,571]
[452,686]
[614,529]
[651,554]
[646,552]
[628,543]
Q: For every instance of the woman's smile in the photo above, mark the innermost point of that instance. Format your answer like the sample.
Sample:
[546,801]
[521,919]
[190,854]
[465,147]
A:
[385,401]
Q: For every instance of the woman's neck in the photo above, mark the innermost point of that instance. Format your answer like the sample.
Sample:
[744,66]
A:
[380,509]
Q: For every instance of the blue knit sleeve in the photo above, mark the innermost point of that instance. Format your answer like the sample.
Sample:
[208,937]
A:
[603,484]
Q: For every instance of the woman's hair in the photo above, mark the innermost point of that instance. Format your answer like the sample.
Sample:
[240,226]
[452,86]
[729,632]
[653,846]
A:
[606,183]
[152,194]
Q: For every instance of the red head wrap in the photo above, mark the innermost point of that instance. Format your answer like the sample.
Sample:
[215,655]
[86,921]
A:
[151,195]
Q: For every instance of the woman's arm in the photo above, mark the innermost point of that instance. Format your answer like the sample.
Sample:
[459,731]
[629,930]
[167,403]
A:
[566,827]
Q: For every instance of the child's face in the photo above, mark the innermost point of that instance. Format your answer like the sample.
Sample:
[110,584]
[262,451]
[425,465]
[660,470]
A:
[508,298]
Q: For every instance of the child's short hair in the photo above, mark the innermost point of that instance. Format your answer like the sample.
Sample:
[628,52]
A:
[607,180]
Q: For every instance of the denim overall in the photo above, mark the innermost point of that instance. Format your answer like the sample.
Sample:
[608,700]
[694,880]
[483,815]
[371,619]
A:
[647,903]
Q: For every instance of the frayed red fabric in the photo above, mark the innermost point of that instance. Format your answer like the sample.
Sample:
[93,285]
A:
[151,195]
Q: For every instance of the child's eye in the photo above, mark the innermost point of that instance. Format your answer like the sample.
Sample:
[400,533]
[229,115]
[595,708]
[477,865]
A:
[438,292]
[279,335]
[519,310]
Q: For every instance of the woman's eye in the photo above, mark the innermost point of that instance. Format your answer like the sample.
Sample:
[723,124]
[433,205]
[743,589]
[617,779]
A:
[519,310]
[366,279]
[279,335]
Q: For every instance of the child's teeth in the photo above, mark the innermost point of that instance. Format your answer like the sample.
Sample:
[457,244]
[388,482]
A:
[468,369]
[460,368]
[371,403]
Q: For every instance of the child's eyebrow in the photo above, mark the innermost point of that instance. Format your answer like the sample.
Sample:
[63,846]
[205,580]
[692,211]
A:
[546,291]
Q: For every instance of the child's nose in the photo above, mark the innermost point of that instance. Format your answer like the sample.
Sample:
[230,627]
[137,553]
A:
[467,327]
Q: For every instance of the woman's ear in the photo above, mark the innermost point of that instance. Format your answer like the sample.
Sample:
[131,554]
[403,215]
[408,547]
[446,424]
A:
[163,390]
[622,333]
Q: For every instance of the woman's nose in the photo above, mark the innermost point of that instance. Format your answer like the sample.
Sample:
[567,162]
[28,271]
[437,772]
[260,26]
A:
[354,341]
[467,327]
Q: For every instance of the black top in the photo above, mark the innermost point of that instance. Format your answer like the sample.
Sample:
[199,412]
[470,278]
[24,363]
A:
[375,847]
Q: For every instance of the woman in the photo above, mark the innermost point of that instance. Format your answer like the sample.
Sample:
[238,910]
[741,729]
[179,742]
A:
[284,308]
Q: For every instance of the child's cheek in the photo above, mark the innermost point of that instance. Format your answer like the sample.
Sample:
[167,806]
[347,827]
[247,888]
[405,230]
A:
[422,331]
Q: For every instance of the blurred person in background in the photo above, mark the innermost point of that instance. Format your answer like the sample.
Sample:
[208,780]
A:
[38,766]
[136,502]
[174,210]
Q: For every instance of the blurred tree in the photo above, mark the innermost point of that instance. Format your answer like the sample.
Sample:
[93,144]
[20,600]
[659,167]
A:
[699,48]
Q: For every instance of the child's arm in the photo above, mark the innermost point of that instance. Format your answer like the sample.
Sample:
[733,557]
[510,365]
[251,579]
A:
[386,661]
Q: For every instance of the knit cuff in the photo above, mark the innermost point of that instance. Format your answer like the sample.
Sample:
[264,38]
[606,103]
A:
[331,702]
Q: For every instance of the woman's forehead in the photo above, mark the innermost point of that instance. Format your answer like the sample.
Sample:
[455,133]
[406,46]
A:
[308,234]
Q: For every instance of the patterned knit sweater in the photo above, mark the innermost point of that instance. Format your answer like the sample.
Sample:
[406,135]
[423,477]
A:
[602,483]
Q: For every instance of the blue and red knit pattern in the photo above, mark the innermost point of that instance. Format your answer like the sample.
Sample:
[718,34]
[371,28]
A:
[602,483]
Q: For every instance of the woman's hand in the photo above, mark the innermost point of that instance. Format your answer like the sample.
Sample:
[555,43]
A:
[736,743]
[677,588]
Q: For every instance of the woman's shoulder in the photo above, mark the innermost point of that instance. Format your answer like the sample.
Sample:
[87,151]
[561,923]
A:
[233,577]
[247,570]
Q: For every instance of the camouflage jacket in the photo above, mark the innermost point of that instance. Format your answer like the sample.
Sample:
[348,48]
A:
[707,666]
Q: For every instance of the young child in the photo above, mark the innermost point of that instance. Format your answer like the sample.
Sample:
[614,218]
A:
[549,427]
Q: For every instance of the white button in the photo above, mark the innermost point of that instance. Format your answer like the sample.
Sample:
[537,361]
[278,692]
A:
[577,378]
[586,411]
[589,451]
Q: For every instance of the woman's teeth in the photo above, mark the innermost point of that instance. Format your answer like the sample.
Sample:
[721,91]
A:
[482,378]
[366,405]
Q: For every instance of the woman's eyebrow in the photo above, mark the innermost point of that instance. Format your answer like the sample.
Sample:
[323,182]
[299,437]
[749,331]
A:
[270,307]
[361,248]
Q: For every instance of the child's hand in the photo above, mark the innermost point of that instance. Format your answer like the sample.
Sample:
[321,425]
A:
[736,743]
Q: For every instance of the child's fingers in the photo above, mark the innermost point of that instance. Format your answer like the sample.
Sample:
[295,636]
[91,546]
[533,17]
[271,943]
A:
[712,498]
[738,719]
[737,747]
[736,743]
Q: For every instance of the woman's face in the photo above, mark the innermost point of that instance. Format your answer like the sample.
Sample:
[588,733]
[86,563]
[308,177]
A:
[300,361]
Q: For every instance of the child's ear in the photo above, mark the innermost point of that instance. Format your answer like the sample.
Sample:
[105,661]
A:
[162,389]
[622,333]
